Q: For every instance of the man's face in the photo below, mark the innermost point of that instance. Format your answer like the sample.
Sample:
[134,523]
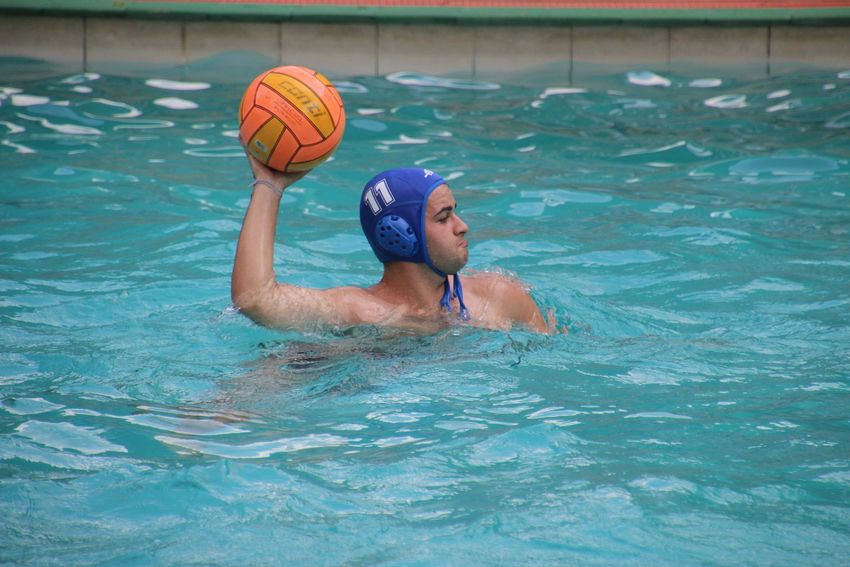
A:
[445,232]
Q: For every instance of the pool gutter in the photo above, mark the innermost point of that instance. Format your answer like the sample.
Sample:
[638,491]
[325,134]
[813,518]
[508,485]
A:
[453,12]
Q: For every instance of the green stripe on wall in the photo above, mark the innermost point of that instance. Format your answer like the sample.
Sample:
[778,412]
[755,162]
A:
[200,10]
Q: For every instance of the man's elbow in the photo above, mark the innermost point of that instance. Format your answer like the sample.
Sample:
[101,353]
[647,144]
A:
[249,302]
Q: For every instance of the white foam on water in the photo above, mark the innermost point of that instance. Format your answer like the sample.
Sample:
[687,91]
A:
[221,152]
[177,85]
[145,125]
[779,94]
[81,78]
[19,148]
[555,91]
[131,111]
[420,80]
[647,79]
[28,100]
[641,151]
[175,103]
[708,83]
[13,128]
[656,415]
[350,88]
[73,129]
[405,140]
[727,101]
[786,105]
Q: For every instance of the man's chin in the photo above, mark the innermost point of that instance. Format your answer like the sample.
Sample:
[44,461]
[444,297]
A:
[458,267]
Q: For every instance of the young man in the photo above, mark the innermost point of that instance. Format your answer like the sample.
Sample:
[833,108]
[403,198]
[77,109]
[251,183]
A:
[410,218]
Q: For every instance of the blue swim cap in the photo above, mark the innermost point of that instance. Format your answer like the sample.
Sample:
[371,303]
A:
[392,215]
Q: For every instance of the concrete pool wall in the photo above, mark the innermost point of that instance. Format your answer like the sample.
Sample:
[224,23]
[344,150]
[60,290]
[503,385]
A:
[368,44]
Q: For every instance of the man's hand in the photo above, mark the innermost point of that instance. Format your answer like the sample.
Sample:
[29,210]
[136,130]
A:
[279,179]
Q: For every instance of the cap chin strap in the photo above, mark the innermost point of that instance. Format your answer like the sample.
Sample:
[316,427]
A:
[448,294]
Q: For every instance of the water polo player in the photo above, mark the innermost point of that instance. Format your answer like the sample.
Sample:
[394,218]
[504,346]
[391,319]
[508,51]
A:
[410,219]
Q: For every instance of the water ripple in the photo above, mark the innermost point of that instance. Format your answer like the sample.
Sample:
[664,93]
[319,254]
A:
[421,80]
[727,101]
[62,436]
[104,108]
[28,406]
[257,450]
[177,85]
[175,103]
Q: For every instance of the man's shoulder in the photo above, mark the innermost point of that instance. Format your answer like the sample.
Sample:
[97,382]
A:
[356,305]
[348,291]
[498,283]
[506,297]
[349,295]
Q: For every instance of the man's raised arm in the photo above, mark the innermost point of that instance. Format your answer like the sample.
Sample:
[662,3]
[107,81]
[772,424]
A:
[253,277]
[253,288]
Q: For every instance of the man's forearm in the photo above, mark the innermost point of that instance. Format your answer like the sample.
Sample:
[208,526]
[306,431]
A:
[253,268]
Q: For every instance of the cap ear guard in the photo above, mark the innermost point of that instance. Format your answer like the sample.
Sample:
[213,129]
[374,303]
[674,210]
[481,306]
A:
[395,235]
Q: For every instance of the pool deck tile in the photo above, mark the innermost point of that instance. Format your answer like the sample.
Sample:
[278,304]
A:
[716,44]
[115,44]
[828,46]
[345,49]
[437,49]
[146,41]
[511,49]
[206,39]
[615,44]
[38,37]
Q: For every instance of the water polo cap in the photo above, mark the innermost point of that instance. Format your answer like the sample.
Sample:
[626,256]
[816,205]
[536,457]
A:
[392,215]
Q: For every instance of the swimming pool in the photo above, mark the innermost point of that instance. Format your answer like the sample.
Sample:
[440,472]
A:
[691,230]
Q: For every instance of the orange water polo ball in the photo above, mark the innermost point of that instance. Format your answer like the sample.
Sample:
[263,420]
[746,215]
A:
[291,118]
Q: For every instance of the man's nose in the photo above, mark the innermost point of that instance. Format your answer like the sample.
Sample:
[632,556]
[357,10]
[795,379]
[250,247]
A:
[461,227]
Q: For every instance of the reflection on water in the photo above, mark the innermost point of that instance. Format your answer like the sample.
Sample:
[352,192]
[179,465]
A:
[691,230]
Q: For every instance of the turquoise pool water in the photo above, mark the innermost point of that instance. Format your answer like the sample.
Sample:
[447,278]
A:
[691,230]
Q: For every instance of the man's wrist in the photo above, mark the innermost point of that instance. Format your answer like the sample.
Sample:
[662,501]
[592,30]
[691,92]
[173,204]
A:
[274,187]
